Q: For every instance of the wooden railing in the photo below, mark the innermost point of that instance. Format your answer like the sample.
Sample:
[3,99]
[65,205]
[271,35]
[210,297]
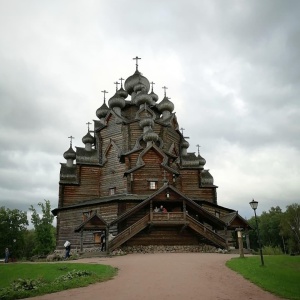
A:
[206,232]
[170,216]
[129,232]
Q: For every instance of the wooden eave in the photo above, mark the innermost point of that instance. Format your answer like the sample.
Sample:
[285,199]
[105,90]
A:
[89,220]
[95,201]
[234,217]
[205,202]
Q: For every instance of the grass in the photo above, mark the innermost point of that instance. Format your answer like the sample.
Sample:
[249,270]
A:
[47,273]
[280,275]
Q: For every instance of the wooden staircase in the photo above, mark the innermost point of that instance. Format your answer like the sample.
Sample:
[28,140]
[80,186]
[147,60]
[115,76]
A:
[128,233]
[207,233]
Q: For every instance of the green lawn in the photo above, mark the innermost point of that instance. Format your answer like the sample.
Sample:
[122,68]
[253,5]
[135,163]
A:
[280,275]
[47,273]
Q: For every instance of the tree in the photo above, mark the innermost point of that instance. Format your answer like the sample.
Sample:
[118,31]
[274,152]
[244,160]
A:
[269,227]
[290,227]
[12,229]
[44,230]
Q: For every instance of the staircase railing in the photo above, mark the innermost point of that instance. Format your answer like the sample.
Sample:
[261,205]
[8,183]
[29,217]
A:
[206,232]
[126,234]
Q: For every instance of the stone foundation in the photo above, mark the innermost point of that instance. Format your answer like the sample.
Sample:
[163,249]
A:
[169,249]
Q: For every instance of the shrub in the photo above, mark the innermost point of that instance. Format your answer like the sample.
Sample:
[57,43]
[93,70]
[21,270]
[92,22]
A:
[269,250]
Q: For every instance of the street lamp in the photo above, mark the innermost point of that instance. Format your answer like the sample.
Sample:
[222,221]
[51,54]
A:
[254,205]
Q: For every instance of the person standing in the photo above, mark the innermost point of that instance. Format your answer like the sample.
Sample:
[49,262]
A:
[6,255]
[68,249]
[103,241]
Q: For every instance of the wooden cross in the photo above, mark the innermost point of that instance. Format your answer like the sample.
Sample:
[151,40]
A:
[88,124]
[116,83]
[121,79]
[165,88]
[152,86]
[136,61]
[104,92]
[182,130]
[198,146]
[71,138]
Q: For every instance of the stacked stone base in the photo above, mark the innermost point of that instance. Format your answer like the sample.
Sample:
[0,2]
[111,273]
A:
[168,249]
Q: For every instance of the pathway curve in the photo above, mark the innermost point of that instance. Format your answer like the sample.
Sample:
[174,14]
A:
[163,276]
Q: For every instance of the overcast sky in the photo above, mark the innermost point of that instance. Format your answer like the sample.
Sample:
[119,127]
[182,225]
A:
[231,67]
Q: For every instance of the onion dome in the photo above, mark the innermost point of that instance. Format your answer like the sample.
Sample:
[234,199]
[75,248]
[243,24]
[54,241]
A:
[88,139]
[154,96]
[146,122]
[142,98]
[102,111]
[202,161]
[116,101]
[139,87]
[122,93]
[133,80]
[165,105]
[185,144]
[206,178]
[70,154]
[150,136]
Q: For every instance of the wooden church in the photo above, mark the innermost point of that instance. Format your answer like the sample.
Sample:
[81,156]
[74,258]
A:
[135,180]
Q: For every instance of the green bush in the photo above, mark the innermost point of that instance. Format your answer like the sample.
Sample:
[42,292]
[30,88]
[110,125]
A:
[268,250]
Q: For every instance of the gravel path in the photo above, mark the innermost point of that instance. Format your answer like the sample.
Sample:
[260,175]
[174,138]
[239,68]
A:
[167,276]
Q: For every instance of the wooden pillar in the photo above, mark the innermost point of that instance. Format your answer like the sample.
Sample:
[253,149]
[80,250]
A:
[151,210]
[81,240]
[106,239]
[240,242]
[247,239]
[184,210]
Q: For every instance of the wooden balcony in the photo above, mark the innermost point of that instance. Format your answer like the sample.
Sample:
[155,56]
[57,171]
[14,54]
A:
[169,218]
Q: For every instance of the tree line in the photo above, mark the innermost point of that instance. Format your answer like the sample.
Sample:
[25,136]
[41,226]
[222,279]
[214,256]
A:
[21,241]
[278,229]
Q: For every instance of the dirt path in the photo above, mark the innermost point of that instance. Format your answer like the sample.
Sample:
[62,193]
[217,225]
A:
[167,276]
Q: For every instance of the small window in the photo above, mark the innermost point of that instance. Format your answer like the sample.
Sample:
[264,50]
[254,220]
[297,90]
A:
[152,185]
[112,191]
[217,213]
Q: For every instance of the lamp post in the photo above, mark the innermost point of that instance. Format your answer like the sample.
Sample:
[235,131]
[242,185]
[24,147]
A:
[254,205]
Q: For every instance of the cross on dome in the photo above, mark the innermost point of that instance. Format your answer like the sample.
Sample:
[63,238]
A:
[182,130]
[198,146]
[136,61]
[116,83]
[152,86]
[165,88]
[121,79]
[71,138]
[88,124]
[104,92]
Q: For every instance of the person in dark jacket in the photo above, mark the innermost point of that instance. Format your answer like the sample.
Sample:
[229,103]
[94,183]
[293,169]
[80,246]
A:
[103,241]
[68,249]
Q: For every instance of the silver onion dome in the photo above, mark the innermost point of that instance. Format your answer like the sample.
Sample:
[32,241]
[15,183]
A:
[70,154]
[146,122]
[202,161]
[116,101]
[206,178]
[185,144]
[165,105]
[150,136]
[88,139]
[135,79]
[154,96]
[142,98]
[122,93]
[139,87]
[102,111]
